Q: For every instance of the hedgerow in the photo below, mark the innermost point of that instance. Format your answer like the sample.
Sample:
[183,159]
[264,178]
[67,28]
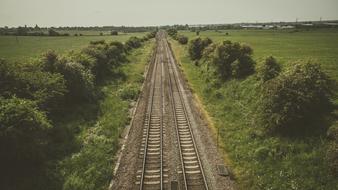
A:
[35,95]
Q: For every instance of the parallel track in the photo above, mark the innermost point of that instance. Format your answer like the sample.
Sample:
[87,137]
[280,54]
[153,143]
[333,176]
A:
[152,172]
[192,169]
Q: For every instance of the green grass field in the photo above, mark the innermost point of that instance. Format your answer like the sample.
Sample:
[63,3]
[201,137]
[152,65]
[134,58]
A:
[259,160]
[22,48]
[287,46]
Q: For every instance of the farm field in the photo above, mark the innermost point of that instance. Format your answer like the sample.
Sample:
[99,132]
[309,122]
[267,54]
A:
[287,46]
[22,48]
[260,160]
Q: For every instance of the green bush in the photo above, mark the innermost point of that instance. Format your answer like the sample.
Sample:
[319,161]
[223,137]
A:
[332,157]
[101,68]
[129,92]
[297,98]
[172,32]
[133,42]
[269,69]
[23,136]
[182,39]
[29,81]
[233,60]
[114,33]
[79,81]
[196,47]
[102,42]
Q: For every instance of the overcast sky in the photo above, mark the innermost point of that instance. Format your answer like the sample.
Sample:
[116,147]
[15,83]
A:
[160,12]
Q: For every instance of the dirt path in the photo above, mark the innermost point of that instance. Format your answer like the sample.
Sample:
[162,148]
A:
[168,143]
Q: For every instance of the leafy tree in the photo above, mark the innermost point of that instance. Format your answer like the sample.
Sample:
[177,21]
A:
[23,140]
[233,60]
[31,82]
[182,39]
[78,79]
[133,42]
[269,69]
[114,33]
[297,98]
[52,32]
[172,32]
[197,46]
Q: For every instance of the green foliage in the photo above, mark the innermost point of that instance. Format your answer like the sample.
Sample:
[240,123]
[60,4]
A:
[233,60]
[129,92]
[79,80]
[332,157]
[269,69]
[182,39]
[296,98]
[31,82]
[133,42]
[23,140]
[114,33]
[196,47]
[260,160]
[172,32]
[52,32]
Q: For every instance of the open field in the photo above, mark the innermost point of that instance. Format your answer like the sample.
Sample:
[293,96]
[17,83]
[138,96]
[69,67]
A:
[287,46]
[23,47]
[260,160]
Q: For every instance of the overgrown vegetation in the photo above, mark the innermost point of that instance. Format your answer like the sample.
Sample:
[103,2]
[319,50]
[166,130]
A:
[61,116]
[196,47]
[279,149]
[295,100]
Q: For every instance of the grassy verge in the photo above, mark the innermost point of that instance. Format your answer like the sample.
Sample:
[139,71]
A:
[90,167]
[259,160]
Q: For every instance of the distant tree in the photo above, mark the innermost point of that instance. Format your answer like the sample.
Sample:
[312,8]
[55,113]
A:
[114,33]
[101,34]
[52,32]
[21,31]
[172,32]
[36,27]
[182,39]
[197,33]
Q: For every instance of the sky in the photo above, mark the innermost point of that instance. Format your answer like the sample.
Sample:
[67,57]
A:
[160,12]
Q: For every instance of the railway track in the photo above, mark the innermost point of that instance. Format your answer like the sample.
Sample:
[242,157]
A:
[191,165]
[151,175]
[153,171]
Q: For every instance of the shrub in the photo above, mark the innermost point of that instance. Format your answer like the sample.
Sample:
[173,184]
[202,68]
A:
[296,98]
[133,42]
[114,33]
[332,157]
[172,32]
[52,32]
[102,42]
[79,81]
[23,135]
[101,68]
[31,82]
[233,60]
[182,39]
[129,92]
[269,69]
[197,46]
